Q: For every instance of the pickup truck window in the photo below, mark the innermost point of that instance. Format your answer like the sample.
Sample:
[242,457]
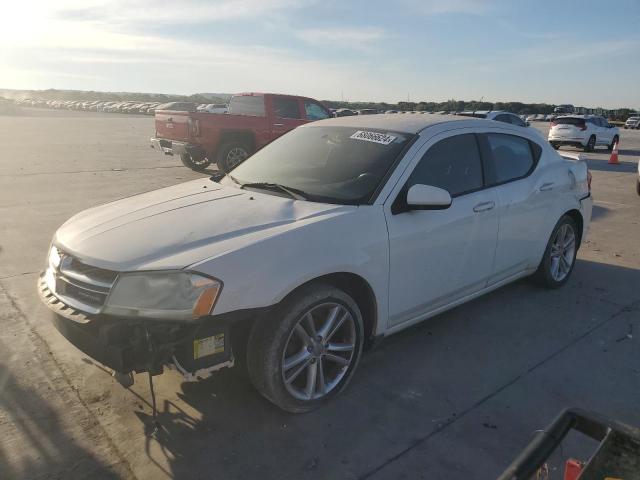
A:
[285,107]
[315,111]
[341,165]
[252,105]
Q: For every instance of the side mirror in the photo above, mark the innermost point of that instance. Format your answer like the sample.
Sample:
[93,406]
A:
[427,197]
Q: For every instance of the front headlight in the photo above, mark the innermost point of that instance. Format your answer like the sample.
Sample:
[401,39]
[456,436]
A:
[163,295]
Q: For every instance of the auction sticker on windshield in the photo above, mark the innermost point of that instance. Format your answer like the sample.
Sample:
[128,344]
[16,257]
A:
[375,137]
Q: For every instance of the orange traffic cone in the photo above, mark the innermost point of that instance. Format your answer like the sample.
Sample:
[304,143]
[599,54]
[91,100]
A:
[614,154]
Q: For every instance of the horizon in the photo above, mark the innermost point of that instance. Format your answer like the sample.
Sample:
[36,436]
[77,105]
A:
[325,50]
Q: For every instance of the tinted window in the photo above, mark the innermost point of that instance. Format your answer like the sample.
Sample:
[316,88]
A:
[315,111]
[569,121]
[247,105]
[512,156]
[285,107]
[502,118]
[516,120]
[333,164]
[452,164]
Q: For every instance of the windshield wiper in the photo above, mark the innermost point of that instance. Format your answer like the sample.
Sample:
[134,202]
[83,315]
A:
[294,193]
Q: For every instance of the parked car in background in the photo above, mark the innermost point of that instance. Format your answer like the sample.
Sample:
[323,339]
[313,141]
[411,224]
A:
[632,122]
[564,108]
[583,131]
[216,108]
[397,217]
[497,115]
[253,120]
[344,112]
[367,111]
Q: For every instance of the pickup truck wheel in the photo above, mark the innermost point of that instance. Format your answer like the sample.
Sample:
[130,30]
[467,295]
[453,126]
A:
[231,154]
[306,352]
[560,255]
[194,163]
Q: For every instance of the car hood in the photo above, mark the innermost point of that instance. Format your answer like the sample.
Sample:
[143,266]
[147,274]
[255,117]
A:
[175,227]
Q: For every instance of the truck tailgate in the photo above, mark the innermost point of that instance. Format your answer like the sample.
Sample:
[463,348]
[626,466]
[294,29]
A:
[172,125]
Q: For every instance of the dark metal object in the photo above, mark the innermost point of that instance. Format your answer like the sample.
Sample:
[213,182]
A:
[617,456]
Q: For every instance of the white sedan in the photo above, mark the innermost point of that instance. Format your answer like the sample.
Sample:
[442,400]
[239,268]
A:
[336,234]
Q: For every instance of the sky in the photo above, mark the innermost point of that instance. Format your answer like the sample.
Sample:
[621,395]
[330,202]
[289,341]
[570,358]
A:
[582,52]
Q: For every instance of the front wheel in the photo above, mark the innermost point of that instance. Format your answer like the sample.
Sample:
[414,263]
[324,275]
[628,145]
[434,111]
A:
[612,144]
[308,350]
[194,162]
[560,255]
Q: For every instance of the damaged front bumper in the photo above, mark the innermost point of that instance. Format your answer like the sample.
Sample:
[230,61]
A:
[142,345]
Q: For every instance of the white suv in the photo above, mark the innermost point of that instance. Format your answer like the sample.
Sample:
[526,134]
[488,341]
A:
[632,122]
[583,131]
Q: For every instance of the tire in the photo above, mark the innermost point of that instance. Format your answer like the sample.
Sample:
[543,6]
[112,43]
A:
[591,144]
[638,186]
[547,275]
[613,142]
[277,340]
[194,163]
[231,154]
[555,146]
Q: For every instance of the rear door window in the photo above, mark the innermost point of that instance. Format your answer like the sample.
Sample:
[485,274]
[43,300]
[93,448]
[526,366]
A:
[511,157]
[516,120]
[286,107]
[570,121]
[452,164]
[252,105]
[314,111]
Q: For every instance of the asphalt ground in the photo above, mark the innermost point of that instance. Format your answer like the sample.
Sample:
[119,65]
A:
[456,397]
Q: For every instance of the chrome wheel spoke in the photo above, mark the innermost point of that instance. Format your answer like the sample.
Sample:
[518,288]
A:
[336,359]
[298,371]
[312,371]
[302,334]
[331,319]
[337,326]
[339,347]
[555,265]
[322,387]
[296,359]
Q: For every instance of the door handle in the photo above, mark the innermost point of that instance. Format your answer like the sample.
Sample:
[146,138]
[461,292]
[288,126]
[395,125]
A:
[545,187]
[278,124]
[484,206]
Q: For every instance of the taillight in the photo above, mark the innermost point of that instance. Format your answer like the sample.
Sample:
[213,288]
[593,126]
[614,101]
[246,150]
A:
[589,176]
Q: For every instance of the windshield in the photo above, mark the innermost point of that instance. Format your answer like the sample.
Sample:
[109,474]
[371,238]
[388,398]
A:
[329,164]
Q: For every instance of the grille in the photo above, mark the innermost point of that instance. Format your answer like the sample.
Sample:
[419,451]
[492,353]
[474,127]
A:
[84,286]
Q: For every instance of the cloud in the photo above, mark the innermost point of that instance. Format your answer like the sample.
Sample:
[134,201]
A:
[347,37]
[440,7]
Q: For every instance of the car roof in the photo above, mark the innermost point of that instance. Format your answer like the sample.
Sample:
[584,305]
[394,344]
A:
[404,123]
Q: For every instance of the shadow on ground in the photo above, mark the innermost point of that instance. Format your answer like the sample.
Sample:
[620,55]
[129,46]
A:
[38,431]
[416,385]
[605,166]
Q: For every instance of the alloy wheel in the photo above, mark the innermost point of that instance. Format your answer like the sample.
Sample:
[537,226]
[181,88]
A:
[563,251]
[319,351]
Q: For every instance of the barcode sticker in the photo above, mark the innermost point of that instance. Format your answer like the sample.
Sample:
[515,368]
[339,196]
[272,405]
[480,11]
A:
[375,137]
[208,346]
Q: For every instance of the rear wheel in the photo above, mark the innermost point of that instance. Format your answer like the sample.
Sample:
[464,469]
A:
[591,144]
[195,163]
[307,351]
[560,255]
[613,142]
[231,154]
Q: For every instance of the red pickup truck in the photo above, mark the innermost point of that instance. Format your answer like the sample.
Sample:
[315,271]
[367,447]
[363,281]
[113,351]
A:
[252,121]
